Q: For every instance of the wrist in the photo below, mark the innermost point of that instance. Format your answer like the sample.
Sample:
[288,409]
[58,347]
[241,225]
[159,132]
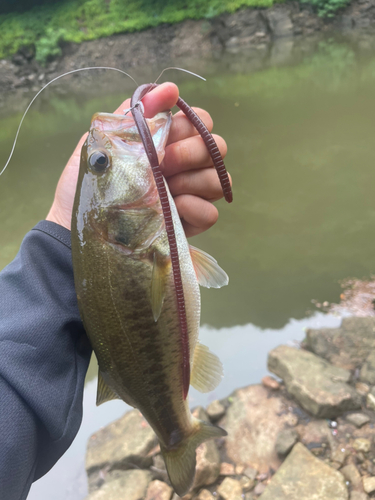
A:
[56,216]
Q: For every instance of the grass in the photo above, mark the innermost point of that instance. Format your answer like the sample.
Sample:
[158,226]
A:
[45,27]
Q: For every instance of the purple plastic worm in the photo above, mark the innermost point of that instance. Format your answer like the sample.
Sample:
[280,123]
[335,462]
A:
[217,159]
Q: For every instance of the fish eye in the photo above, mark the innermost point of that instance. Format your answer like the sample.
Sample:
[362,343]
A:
[98,161]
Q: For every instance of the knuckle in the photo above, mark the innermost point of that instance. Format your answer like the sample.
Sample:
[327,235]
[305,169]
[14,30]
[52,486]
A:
[180,184]
[183,153]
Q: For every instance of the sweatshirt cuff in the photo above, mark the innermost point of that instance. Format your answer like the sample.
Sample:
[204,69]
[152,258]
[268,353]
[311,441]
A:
[57,232]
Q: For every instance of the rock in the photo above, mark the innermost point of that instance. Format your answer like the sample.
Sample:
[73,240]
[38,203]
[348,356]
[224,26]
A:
[367,373]
[215,410]
[132,485]
[318,386]
[302,476]
[358,495]
[158,490]
[230,489]
[370,401]
[316,434]
[339,456]
[335,465]
[362,444]
[368,466]
[208,459]
[351,474]
[347,346]
[19,59]
[208,464]
[259,489]
[247,484]
[360,457]
[357,419]
[227,469]
[158,468]
[279,22]
[362,388]
[285,441]
[189,496]
[271,383]
[239,469]
[250,472]
[369,484]
[123,444]
[205,495]
[253,422]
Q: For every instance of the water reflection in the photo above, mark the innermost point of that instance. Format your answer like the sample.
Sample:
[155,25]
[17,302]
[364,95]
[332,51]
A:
[301,155]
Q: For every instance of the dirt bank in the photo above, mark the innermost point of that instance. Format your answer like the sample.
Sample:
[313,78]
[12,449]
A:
[245,40]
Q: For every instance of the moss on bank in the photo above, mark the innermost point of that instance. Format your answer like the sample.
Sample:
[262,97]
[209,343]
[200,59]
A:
[45,27]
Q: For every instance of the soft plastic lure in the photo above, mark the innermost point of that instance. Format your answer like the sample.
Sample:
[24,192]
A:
[144,132]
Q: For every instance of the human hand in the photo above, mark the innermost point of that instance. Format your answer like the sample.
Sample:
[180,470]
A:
[187,167]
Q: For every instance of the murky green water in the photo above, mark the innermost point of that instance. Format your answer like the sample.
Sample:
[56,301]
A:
[302,157]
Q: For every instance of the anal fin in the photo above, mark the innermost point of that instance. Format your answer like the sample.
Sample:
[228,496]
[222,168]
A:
[104,393]
[209,273]
[207,369]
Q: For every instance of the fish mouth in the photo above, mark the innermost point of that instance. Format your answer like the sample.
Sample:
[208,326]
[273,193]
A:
[109,122]
[124,125]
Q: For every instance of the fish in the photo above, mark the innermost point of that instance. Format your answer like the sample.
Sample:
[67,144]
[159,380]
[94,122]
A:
[126,294]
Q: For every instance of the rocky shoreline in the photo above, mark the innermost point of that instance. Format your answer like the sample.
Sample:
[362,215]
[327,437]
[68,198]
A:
[243,41]
[310,434]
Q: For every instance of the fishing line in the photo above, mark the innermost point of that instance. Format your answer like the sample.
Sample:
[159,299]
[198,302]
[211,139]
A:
[140,104]
[180,69]
[45,86]
[88,69]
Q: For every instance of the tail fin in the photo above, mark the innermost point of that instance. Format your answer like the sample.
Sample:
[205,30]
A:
[181,460]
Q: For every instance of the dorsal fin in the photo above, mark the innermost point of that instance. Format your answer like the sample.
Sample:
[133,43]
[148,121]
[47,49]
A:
[209,273]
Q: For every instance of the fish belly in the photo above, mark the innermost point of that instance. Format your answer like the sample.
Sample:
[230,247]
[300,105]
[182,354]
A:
[140,359]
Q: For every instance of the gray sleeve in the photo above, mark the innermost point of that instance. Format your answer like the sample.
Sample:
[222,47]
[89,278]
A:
[44,355]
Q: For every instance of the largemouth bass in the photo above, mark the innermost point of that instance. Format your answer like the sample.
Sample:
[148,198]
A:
[125,289]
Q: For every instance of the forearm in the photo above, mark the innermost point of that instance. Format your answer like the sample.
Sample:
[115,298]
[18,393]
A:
[44,354]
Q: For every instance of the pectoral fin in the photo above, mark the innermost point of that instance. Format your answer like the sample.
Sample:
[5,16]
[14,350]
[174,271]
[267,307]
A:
[158,284]
[207,369]
[104,393]
[208,271]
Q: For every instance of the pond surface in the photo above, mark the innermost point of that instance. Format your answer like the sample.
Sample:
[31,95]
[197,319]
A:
[302,157]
